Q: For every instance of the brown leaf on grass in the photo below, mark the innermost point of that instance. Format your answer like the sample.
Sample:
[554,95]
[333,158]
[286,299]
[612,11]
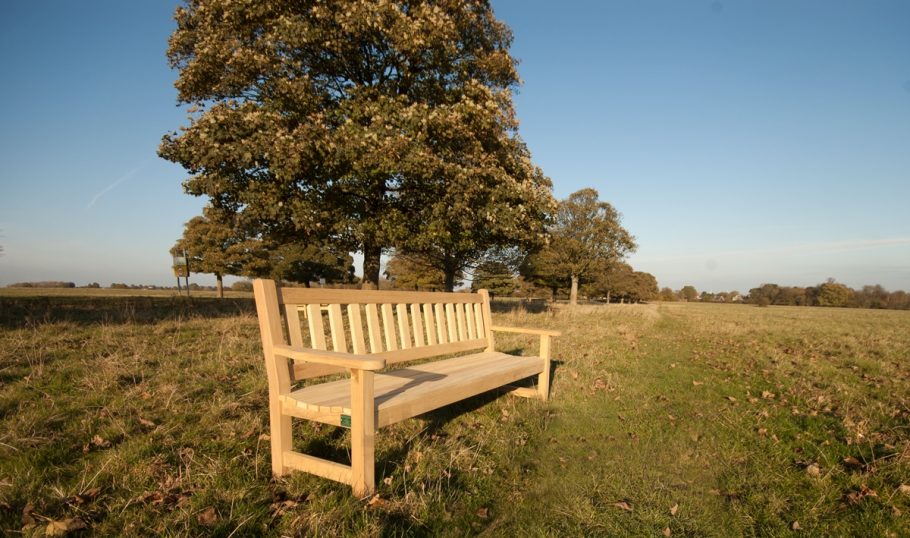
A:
[768,395]
[904,488]
[731,398]
[207,517]
[64,526]
[265,437]
[697,383]
[852,463]
[483,512]
[674,509]
[28,514]
[146,422]
[813,470]
[795,526]
[86,496]
[279,508]
[857,496]
[667,531]
[623,505]
[96,442]
[377,502]
[387,480]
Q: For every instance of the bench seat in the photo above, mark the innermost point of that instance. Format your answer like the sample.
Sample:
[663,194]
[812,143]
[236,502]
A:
[407,392]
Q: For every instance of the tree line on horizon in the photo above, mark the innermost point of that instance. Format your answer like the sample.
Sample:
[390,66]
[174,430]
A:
[828,293]
[317,131]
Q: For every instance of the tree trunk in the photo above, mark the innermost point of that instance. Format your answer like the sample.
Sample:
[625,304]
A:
[450,280]
[553,290]
[608,297]
[371,261]
[573,294]
[220,285]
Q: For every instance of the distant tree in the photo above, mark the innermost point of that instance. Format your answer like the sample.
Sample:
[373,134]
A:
[210,244]
[242,285]
[832,293]
[584,239]
[871,297]
[767,293]
[410,272]
[496,277]
[296,262]
[667,294]
[688,293]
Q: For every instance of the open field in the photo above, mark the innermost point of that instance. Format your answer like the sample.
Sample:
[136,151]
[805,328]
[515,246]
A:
[706,420]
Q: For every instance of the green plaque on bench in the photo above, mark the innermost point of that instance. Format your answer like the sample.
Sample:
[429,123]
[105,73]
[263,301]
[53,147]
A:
[346,421]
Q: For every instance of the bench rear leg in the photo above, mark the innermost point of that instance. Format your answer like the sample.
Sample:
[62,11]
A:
[363,431]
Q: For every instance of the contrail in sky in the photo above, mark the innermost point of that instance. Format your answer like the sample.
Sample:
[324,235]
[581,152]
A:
[120,180]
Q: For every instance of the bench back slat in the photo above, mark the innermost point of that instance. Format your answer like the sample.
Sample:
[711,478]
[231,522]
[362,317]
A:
[399,326]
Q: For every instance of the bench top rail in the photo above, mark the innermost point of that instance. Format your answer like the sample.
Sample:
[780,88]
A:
[396,326]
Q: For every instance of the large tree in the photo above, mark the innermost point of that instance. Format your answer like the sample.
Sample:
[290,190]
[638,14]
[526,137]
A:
[585,239]
[338,119]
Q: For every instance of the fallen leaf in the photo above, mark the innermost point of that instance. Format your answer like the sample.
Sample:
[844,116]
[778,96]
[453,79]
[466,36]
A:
[697,383]
[483,512]
[64,526]
[265,437]
[623,505]
[673,509]
[146,422]
[279,508]
[768,395]
[387,480]
[377,502]
[813,470]
[27,513]
[731,398]
[208,517]
[667,531]
[795,526]
[852,463]
[904,488]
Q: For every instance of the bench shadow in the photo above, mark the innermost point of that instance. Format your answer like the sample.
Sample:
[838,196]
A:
[20,312]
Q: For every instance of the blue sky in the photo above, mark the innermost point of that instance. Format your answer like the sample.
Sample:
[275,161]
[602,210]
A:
[744,142]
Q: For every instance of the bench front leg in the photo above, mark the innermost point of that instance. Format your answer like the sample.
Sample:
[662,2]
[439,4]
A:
[363,431]
[543,380]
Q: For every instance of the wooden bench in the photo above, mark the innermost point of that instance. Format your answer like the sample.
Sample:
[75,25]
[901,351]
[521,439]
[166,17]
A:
[367,331]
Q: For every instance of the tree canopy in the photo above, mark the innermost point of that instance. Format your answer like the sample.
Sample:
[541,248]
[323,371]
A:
[496,277]
[409,272]
[585,239]
[210,242]
[370,124]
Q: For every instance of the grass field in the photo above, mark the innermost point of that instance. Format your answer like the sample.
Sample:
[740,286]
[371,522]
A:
[148,416]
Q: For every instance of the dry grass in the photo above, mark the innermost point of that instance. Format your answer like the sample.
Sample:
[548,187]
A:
[747,420]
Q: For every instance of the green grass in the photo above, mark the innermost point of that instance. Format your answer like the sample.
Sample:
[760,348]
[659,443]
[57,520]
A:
[152,419]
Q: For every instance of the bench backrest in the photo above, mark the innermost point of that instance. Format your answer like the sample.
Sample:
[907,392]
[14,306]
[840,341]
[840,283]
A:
[396,325]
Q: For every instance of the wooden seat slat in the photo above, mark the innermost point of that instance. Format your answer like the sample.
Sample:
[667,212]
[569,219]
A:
[414,390]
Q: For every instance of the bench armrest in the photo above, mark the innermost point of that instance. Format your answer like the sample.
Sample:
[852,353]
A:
[525,330]
[332,358]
